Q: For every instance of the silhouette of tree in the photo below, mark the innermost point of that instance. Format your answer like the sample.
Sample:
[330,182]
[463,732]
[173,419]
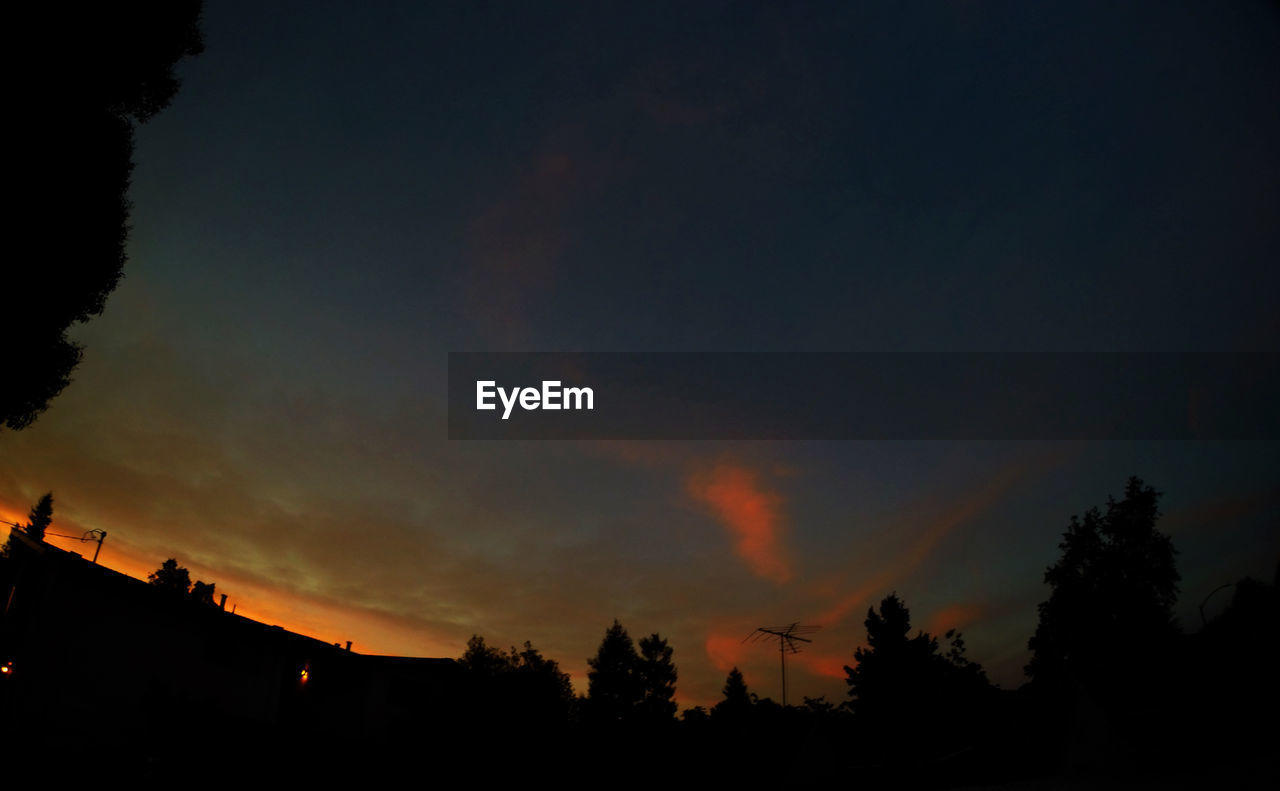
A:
[904,691]
[483,660]
[657,678]
[735,689]
[737,701]
[1113,591]
[544,692]
[820,706]
[40,517]
[1231,668]
[963,672]
[614,690]
[203,592]
[894,670]
[822,715]
[1105,658]
[521,683]
[171,577]
[486,670]
[107,67]
[38,520]
[696,715]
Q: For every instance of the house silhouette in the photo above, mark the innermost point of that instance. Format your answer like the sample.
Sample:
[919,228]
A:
[157,675]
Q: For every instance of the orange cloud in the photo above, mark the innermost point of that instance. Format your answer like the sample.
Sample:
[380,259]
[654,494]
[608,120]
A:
[750,512]
[825,666]
[724,651]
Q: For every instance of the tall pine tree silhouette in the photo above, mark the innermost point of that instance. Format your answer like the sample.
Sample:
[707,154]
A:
[614,690]
[41,517]
[657,677]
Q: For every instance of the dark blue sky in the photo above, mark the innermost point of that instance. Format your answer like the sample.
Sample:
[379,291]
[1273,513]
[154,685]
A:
[339,196]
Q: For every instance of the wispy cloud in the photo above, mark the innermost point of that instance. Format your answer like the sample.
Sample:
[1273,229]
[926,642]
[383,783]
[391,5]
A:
[932,529]
[725,651]
[824,665]
[751,513]
[1226,508]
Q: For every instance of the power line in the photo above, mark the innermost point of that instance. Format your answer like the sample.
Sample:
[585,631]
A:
[89,535]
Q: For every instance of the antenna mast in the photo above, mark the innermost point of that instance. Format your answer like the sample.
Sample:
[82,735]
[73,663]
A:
[787,637]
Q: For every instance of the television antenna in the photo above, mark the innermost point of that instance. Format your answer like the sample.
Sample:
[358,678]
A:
[787,637]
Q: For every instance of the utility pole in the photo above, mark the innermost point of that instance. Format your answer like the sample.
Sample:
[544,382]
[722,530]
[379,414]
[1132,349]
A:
[102,534]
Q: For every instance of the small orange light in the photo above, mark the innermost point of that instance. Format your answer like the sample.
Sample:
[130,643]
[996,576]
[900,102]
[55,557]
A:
[304,676]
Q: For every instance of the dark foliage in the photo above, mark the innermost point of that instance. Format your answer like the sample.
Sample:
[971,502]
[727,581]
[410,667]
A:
[1107,670]
[203,592]
[737,702]
[614,688]
[521,685]
[1230,678]
[102,68]
[40,517]
[482,660]
[906,694]
[1109,616]
[543,692]
[38,520]
[172,578]
[696,716]
[657,677]
[629,687]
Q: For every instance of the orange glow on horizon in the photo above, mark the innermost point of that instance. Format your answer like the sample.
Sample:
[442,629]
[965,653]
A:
[298,612]
[12,518]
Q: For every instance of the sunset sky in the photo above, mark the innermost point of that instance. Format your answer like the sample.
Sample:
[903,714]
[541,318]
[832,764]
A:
[339,196]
